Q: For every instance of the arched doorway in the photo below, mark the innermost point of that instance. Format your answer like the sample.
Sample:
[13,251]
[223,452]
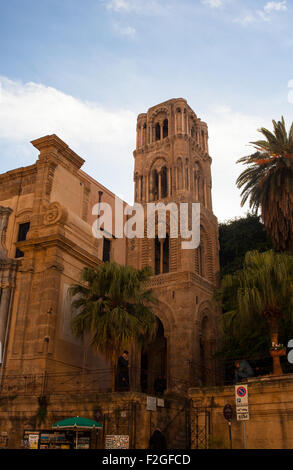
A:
[207,362]
[154,363]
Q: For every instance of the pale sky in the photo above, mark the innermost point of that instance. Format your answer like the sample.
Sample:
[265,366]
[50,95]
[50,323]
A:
[84,70]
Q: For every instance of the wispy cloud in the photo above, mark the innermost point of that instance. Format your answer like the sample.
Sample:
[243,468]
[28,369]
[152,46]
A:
[213,3]
[264,15]
[125,30]
[105,139]
[144,7]
[276,6]
[119,5]
[230,132]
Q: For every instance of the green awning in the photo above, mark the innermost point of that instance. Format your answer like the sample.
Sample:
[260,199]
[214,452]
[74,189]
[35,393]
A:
[77,422]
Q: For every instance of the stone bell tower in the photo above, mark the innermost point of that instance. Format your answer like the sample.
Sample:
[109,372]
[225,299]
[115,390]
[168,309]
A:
[172,164]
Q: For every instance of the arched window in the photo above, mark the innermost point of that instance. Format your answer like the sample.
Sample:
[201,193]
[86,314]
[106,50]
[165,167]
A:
[178,120]
[201,260]
[196,182]
[158,131]
[186,174]
[155,185]
[136,179]
[144,134]
[157,256]
[165,128]
[164,182]
[162,255]
[179,174]
[204,256]
[203,139]
[166,254]
[141,188]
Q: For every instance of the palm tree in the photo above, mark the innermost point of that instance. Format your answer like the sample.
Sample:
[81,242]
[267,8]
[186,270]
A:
[263,288]
[114,308]
[268,183]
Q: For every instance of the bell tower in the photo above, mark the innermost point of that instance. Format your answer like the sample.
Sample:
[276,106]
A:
[172,165]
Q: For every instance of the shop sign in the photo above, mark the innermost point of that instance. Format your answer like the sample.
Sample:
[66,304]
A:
[117,442]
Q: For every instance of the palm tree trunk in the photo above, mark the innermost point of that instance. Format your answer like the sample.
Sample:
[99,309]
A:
[274,331]
[274,334]
[113,375]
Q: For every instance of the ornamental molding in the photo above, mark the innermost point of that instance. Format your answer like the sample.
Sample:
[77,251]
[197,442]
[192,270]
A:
[55,213]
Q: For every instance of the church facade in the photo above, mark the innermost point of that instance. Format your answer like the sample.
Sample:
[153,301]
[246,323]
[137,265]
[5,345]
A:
[46,240]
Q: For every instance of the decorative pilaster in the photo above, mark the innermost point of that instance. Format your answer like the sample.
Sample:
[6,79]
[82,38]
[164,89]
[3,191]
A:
[8,268]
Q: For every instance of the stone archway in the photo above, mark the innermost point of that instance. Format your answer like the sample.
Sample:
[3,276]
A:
[204,366]
[205,346]
[153,372]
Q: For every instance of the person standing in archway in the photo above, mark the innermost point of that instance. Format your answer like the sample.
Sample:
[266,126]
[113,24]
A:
[157,440]
[123,372]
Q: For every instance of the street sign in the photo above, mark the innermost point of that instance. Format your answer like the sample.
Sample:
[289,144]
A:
[241,395]
[151,403]
[228,415]
[242,409]
[242,416]
[228,412]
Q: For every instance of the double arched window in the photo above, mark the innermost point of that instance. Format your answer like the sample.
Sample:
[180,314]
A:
[161,130]
[162,255]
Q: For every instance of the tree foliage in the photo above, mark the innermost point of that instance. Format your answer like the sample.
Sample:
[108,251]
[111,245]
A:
[237,237]
[113,307]
[258,304]
[267,183]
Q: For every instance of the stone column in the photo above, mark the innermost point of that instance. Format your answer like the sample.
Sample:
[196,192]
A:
[4,310]
[135,189]
[4,216]
[160,185]
[7,278]
[139,189]
[147,188]
[205,193]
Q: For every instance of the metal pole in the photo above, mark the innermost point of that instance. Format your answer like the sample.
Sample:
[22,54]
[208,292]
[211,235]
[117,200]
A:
[244,435]
[230,434]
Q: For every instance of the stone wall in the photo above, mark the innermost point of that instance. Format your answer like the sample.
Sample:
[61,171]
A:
[120,413]
[271,415]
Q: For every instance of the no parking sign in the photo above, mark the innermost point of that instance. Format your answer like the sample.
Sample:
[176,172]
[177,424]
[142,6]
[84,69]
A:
[241,397]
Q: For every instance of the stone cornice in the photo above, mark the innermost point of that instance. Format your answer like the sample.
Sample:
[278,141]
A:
[63,243]
[18,173]
[54,146]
